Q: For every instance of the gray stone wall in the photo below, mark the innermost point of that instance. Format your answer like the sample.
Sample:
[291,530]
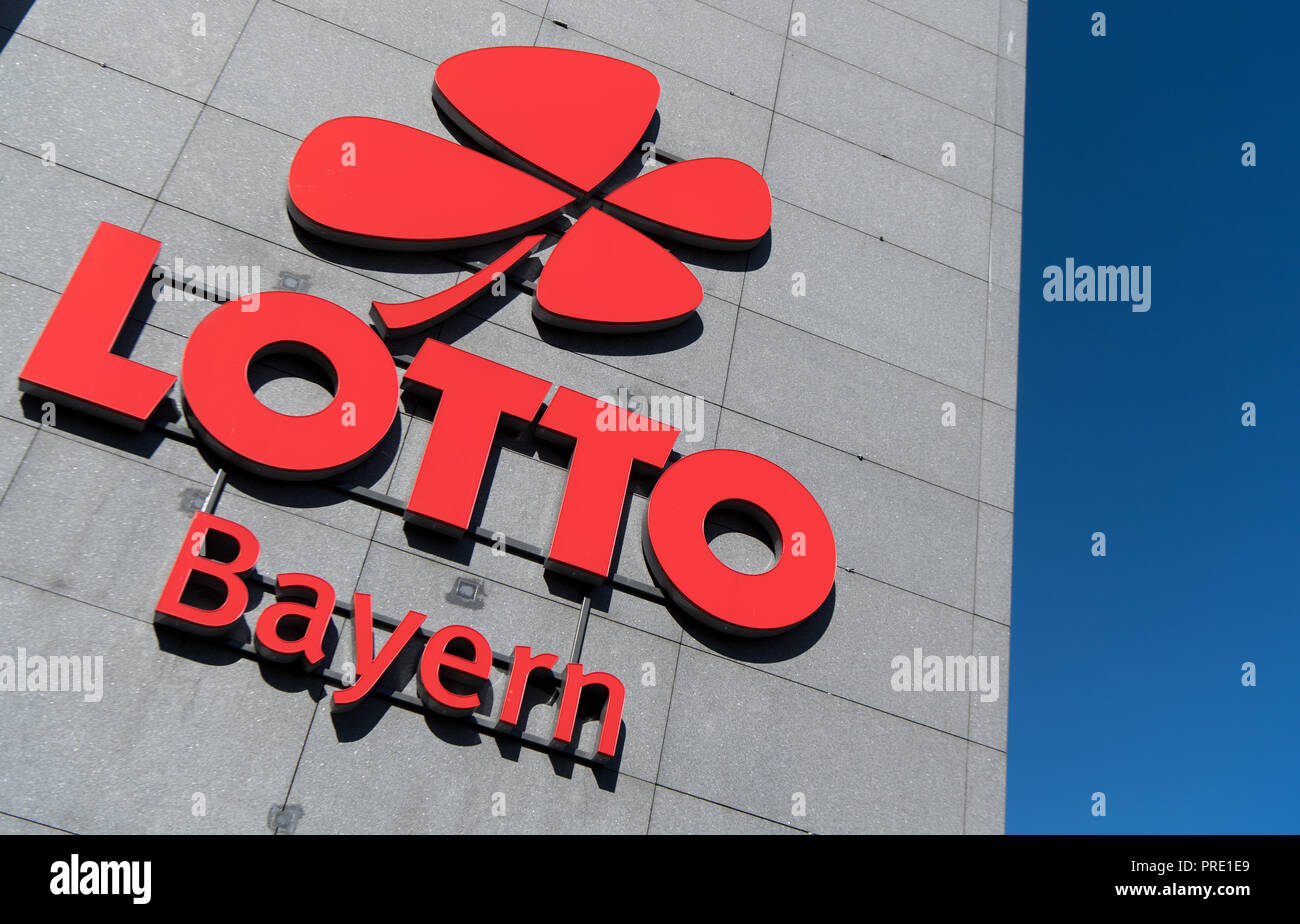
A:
[911,270]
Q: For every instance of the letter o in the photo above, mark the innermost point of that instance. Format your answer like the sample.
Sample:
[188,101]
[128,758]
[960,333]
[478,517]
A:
[226,413]
[681,561]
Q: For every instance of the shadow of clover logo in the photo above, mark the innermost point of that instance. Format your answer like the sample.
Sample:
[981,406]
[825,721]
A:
[381,184]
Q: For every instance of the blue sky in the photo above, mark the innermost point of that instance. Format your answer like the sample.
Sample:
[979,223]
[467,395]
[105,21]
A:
[1126,670]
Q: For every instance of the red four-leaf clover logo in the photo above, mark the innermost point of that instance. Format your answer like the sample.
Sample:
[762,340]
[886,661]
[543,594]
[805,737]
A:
[382,184]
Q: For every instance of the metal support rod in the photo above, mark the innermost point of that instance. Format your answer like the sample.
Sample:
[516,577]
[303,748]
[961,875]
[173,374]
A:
[580,635]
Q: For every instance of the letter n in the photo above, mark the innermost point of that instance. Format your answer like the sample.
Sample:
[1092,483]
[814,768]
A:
[611,714]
